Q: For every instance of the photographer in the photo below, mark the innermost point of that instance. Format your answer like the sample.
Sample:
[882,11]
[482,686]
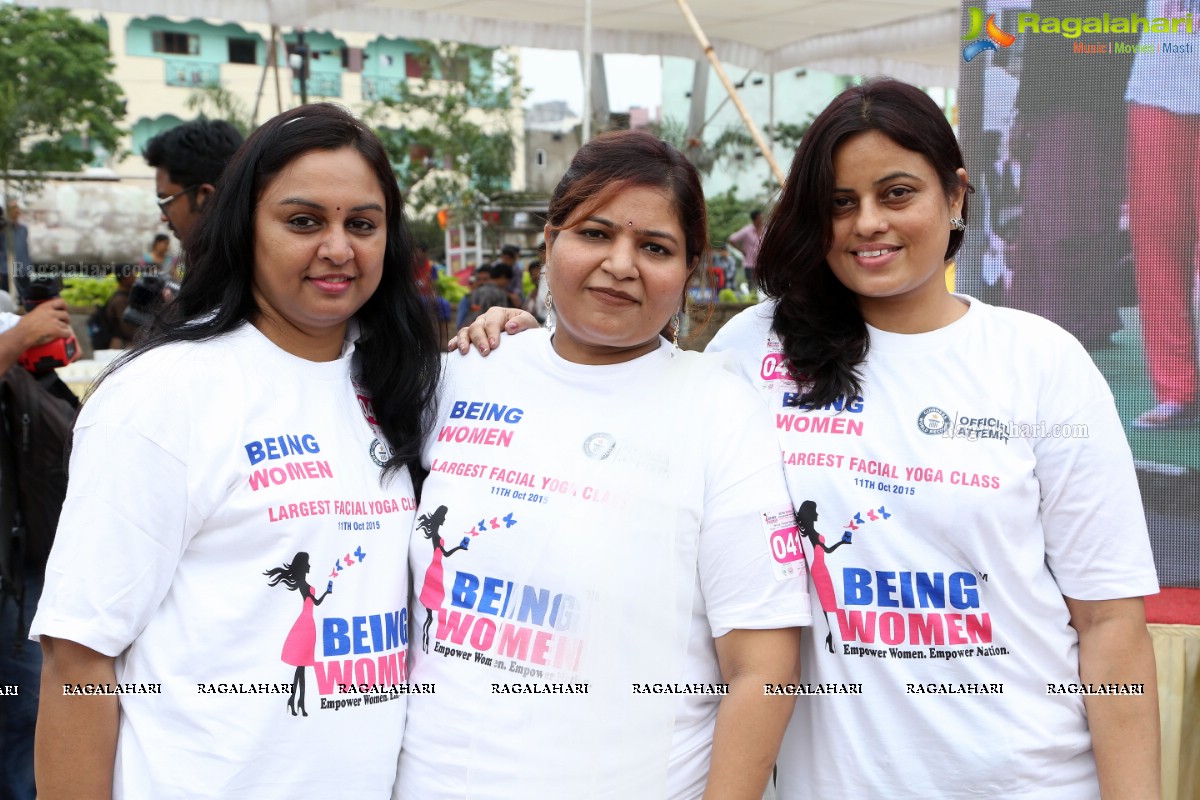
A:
[20,570]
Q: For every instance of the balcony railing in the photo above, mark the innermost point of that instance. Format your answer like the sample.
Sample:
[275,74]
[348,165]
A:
[320,84]
[192,74]
[380,88]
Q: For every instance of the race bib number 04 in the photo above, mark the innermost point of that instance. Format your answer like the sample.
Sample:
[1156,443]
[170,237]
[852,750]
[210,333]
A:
[783,538]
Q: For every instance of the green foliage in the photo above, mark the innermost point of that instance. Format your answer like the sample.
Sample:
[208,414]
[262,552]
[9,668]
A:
[57,102]
[88,291]
[429,232]
[449,288]
[727,214]
[727,296]
[789,134]
[216,102]
[457,149]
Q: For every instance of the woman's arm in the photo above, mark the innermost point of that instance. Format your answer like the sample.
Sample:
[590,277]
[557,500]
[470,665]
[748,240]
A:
[750,723]
[75,744]
[1114,647]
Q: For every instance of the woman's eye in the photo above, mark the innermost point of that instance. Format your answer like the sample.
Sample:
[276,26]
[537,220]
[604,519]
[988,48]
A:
[302,223]
[592,233]
[657,249]
[362,225]
[842,203]
[898,192]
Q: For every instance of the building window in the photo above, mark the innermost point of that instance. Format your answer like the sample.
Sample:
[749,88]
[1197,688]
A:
[243,51]
[539,157]
[182,44]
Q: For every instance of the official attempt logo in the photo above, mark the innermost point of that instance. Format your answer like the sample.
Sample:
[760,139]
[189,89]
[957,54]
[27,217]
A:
[599,446]
[933,421]
[380,452]
[994,35]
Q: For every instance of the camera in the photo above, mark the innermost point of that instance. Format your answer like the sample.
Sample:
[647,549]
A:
[147,296]
[35,289]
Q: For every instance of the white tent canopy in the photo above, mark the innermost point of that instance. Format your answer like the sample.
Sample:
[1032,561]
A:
[915,40]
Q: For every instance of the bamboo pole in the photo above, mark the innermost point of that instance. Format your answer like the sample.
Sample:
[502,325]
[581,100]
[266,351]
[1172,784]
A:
[755,133]
[262,80]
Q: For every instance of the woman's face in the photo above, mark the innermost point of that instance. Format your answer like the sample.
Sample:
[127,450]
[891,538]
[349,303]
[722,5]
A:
[891,226]
[319,237]
[616,277]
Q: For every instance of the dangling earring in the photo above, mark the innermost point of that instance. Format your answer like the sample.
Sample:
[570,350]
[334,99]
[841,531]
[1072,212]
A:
[958,224]
[675,322]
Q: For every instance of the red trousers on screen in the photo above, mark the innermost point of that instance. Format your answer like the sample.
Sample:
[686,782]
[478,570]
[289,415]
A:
[1164,216]
[1065,258]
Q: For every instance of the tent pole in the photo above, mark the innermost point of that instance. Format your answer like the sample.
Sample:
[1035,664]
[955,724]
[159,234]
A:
[262,79]
[755,133]
[587,71]
[275,63]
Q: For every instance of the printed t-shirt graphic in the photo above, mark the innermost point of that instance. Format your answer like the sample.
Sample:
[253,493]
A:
[576,571]
[964,525]
[249,477]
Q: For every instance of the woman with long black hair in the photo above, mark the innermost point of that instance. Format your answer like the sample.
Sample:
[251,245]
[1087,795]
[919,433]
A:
[274,413]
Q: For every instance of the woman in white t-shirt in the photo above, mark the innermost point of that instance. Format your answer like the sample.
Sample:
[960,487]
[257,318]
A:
[622,590]
[248,445]
[989,611]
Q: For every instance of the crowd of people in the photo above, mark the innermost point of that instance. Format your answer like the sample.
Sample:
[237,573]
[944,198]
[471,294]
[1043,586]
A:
[538,570]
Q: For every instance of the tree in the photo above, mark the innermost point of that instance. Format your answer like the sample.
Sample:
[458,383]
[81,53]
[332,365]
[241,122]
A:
[727,214]
[731,141]
[223,104]
[57,103]
[457,149]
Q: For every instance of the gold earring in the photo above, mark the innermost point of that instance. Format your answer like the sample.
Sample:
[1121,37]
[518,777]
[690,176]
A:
[675,322]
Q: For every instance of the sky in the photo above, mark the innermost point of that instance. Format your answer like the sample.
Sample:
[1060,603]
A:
[557,75]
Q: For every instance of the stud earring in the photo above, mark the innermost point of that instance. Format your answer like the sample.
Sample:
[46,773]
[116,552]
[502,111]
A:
[958,224]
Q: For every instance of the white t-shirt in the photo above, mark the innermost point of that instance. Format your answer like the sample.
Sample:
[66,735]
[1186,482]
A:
[1168,75]
[607,511]
[966,520]
[173,520]
[8,321]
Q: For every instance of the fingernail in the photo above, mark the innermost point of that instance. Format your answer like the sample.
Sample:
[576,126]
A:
[492,342]
[512,326]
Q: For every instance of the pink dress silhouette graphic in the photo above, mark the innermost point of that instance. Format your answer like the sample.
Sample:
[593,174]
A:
[433,591]
[806,517]
[300,646]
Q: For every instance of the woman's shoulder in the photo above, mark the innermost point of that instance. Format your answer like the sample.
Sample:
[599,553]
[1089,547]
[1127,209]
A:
[166,377]
[748,331]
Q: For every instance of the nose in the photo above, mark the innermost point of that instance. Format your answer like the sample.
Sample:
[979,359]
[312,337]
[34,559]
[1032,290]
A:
[621,261]
[336,246]
[870,220]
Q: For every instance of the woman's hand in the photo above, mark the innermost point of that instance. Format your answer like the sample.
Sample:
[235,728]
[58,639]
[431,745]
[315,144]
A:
[484,332]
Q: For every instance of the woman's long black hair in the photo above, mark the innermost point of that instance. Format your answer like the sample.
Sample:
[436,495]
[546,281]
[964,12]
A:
[817,319]
[397,354]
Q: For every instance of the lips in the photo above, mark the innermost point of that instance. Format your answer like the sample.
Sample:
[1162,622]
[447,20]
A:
[874,256]
[876,252]
[612,296]
[332,284]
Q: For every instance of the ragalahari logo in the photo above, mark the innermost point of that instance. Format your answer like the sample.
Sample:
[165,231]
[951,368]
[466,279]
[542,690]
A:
[995,36]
